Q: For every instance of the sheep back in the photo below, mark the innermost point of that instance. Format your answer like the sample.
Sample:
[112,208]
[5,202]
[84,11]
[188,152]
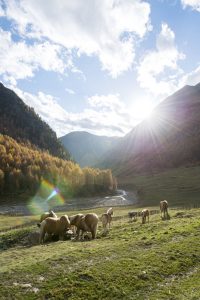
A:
[56,225]
[91,220]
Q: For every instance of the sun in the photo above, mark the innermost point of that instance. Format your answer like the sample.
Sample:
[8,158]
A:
[143,110]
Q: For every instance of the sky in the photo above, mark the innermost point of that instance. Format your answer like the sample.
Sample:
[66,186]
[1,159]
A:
[98,65]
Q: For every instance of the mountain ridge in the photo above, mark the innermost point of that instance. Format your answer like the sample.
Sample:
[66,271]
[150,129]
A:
[20,122]
[169,139]
[87,148]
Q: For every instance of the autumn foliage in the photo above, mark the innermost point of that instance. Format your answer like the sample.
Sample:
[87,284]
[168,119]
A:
[22,168]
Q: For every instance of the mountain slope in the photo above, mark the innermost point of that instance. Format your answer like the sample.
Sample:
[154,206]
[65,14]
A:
[86,148]
[21,123]
[171,138]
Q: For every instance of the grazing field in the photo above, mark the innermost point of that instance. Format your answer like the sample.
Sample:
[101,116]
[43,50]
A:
[159,260]
[180,186]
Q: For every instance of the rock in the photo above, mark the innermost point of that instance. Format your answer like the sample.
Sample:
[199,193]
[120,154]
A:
[143,275]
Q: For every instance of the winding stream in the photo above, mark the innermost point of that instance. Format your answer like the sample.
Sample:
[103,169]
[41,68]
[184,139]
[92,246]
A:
[120,199]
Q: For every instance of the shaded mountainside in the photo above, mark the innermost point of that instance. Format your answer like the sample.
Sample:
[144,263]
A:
[169,139]
[86,148]
[20,122]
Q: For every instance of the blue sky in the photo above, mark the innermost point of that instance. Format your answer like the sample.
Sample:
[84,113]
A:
[99,66]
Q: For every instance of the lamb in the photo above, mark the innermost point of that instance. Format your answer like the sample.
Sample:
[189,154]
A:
[145,214]
[133,214]
[88,222]
[107,218]
[57,226]
[164,209]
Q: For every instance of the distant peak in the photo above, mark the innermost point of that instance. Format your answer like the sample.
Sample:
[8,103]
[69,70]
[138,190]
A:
[197,85]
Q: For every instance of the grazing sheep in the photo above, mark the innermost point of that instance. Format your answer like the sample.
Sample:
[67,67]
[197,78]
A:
[164,209]
[145,214]
[89,223]
[57,226]
[107,218]
[47,214]
[133,214]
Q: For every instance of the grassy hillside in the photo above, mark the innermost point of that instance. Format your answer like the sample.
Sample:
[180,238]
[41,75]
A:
[180,186]
[159,260]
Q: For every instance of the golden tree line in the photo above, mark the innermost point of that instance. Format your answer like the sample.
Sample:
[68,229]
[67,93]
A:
[22,167]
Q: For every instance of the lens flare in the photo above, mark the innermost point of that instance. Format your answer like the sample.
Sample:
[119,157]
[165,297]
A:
[47,197]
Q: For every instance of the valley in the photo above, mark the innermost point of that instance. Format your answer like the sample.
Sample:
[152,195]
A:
[99,150]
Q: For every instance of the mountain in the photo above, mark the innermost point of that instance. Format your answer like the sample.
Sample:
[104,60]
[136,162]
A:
[169,139]
[86,148]
[20,122]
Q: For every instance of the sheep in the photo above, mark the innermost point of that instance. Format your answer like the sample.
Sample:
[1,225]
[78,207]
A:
[57,226]
[107,218]
[145,214]
[164,209]
[133,214]
[88,222]
[47,214]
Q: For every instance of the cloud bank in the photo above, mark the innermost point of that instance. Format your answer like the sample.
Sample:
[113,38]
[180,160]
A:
[154,68]
[107,29]
[194,4]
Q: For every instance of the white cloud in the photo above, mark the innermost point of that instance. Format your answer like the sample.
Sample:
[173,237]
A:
[195,4]
[191,78]
[111,102]
[155,67]
[69,91]
[106,28]
[19,60]
[110,118]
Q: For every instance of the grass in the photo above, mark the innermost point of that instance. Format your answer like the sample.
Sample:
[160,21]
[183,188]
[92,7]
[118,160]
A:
[159,260]
[180,186]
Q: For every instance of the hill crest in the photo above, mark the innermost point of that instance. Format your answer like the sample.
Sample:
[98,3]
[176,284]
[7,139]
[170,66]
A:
[20,122]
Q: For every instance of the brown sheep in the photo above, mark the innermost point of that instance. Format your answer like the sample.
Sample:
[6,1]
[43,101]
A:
[107,218]
[145,214]
[47,214]
[133,214]
[57,226]
[89,223]
[164,209]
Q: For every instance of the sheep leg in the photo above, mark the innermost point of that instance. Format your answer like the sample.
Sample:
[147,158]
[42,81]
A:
[94,232]
[41,238]
[78,233]
[82,235]
[61,236]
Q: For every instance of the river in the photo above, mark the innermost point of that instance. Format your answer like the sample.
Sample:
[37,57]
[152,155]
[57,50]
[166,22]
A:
[122,198]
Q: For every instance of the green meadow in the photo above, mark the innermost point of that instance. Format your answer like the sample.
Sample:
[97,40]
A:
[157,260]
[180,186]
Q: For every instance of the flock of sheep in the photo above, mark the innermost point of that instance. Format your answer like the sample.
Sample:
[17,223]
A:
[50,224]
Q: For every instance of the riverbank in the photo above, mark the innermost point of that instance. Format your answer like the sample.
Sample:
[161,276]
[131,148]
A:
[122,198]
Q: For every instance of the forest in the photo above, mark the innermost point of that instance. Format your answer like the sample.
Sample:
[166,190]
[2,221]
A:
[23,167]
[21,122]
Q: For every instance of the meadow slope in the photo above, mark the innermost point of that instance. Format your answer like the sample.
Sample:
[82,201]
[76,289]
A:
[180,186]
[159,260]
